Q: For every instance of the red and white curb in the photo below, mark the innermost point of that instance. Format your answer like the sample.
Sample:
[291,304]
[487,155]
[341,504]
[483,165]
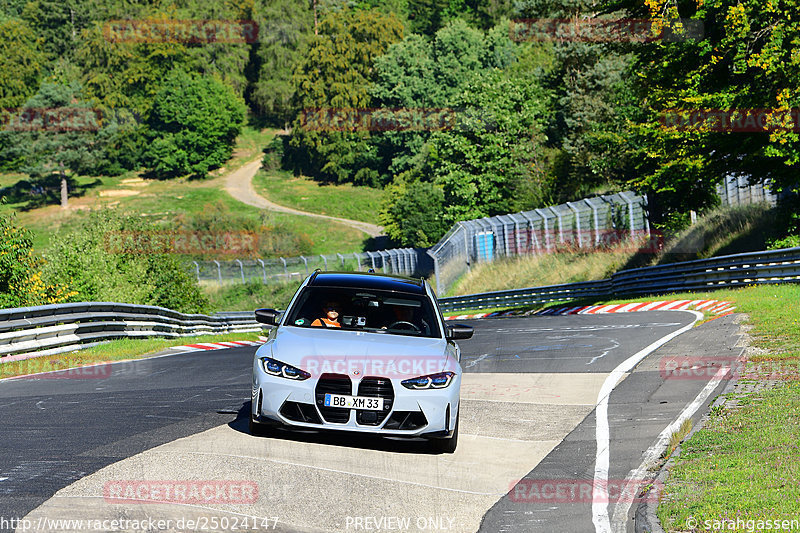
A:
[204,346]
[717,307]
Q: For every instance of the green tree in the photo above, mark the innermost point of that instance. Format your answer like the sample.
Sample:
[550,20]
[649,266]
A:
[417,73]
[54,133]
[119,74]
[747,59]
[193,124]
[336,72]
[412,211]
[284,29]
[493,161]
[58,23]
[21,62]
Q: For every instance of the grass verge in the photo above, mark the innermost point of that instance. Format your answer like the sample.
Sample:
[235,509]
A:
[250,296]
[745,462]
[117,350]
[299,192]
[540,270]
[172,200]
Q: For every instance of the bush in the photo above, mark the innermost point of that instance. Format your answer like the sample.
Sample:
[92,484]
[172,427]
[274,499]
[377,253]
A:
[194,124]
[412,212]
[21,280]
[85,257]
[273,154]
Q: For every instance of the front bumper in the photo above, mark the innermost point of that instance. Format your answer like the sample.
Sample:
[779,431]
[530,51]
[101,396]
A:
[412,413]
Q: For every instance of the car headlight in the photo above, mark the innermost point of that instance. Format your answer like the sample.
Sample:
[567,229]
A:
[432,381]
[277,368]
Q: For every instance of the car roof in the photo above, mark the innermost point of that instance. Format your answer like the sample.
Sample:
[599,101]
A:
[367,280]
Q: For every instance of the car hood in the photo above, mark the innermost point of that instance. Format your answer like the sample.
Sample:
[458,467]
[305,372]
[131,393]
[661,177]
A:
[322,351]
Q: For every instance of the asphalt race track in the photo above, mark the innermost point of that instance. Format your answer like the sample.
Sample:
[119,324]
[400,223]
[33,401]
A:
[526,459]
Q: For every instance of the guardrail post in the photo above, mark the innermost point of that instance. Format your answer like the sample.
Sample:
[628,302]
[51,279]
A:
[219,272]
[285,269]
[341,257]
[241,269]
[596,221]
[560,224]
[436,274]
[305,261]
[577,223]
[358,260]
[324,261]
[197,270]
[532,241]
[263,270]
[546,230]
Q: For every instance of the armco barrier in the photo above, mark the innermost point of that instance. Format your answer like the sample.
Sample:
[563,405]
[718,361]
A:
[50,329]
[776,266]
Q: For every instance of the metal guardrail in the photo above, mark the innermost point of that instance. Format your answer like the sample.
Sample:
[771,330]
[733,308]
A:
[776,266]
[50,329]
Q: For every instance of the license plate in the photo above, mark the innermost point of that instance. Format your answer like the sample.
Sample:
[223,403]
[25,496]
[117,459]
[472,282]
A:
[353,402]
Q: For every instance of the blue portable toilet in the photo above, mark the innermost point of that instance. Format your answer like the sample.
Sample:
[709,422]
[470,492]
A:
[484,244]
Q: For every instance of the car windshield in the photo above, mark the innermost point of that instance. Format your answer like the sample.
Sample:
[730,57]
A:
[364,310]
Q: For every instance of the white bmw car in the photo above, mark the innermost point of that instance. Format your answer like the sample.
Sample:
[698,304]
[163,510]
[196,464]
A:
[360,352]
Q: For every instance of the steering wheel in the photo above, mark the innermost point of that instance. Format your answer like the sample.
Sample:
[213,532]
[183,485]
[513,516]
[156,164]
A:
[407,325]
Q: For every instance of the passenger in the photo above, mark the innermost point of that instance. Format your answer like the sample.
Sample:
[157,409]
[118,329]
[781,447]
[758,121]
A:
[331,318]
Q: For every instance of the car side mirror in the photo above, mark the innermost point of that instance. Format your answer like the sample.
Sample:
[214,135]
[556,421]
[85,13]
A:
[458,331]
[267,316]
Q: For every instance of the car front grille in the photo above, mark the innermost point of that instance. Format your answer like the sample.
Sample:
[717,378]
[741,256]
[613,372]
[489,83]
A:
[374,387]
[333,384]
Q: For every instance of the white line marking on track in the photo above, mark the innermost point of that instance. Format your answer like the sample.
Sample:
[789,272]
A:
[476,361]
[596,357]
[600,518]
[653,453]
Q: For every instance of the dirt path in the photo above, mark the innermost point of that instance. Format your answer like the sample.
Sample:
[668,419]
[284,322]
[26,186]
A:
[239,184]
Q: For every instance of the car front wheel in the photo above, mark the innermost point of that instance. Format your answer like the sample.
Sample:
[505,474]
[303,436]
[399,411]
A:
[447,445]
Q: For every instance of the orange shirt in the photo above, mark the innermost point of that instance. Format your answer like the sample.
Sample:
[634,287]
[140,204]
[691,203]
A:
[327,323]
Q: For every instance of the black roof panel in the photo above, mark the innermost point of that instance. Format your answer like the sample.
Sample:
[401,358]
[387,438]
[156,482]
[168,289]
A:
[368,281]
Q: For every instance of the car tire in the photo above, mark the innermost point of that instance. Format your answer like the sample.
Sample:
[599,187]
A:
[448,445]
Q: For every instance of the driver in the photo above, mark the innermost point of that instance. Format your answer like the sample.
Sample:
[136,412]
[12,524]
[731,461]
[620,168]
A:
[404,314]
[331,318]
